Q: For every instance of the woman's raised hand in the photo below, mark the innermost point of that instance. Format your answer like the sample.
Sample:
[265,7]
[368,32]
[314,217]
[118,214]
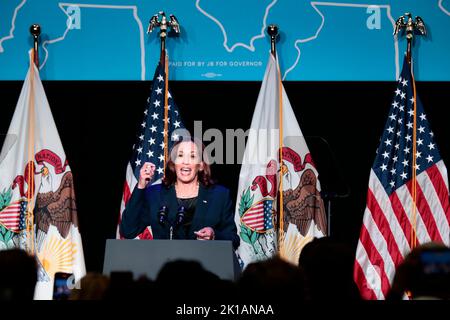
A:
[145,175]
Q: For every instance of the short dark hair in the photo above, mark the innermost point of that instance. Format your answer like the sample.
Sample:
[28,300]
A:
[18,275]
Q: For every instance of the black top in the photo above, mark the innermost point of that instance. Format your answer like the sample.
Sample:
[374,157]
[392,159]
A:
[189,205]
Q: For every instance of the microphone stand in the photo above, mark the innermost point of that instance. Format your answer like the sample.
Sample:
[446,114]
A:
[179,220]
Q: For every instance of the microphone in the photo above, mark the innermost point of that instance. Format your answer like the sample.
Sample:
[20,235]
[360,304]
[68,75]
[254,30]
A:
[162,215]
[181,215]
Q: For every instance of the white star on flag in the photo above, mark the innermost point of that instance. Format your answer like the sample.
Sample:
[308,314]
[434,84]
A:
[153,124]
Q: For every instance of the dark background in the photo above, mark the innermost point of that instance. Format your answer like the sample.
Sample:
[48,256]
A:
[342,121]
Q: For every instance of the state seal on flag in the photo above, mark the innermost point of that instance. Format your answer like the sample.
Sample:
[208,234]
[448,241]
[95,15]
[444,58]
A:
[260,216]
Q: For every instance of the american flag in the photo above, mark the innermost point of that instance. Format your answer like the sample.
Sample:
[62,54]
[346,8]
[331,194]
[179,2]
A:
[386,235]
[150,145]
[259,216]
[13,216]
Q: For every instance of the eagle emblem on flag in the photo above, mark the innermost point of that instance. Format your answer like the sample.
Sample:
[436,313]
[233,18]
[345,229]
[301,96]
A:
[302,201]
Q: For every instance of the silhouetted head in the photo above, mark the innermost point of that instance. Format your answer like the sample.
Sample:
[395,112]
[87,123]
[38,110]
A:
[18,275]
[187,279]
[271,279]
[328,266]
[425,273]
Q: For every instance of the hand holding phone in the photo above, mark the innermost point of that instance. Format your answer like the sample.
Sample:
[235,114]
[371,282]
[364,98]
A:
[62,285]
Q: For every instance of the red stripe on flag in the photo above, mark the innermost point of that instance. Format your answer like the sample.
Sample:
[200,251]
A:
[441,189]
[14,226]
[375,258]
[9,220]
[254,217]
[383,225]
[251,215]
[255,225]
[126,193]
[259,209]
[425,212]
[402,218]
[125,197]
[11,208]
[10,216]
[146,235]
[361,281]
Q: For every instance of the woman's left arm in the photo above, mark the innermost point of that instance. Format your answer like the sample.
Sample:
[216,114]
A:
[226,229]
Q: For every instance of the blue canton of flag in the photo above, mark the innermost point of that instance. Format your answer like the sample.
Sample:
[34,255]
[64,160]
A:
[23,208]
[150,141]
[268,221]
[394,155]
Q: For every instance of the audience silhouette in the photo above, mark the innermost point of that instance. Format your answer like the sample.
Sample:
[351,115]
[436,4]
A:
[272,281]
[423,275]
[18,275]
[328,268]
[324,273]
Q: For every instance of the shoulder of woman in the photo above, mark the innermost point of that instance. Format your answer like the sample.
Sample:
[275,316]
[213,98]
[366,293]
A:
[217,188]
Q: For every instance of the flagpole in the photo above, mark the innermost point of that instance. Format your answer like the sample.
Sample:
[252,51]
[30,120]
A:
[166,112]
[35,31]
[160,21]
[272,30]
[412,27]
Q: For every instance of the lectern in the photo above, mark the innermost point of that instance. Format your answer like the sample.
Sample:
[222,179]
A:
[146,257]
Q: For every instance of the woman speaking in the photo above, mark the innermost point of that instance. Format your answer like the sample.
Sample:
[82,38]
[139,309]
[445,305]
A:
[186,205]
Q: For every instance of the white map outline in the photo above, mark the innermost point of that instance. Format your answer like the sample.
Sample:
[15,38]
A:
[441,6]
[250,47]
[314,4]
[13,25]
[100,6]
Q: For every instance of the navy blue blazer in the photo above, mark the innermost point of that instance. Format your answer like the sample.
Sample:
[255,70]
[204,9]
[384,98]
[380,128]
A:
[214,209]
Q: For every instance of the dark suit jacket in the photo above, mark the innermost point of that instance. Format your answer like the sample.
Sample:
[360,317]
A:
[214,209]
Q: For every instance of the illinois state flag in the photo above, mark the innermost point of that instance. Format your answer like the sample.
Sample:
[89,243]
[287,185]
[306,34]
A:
[401,214]
[155,136]
[36,184]
[262,175]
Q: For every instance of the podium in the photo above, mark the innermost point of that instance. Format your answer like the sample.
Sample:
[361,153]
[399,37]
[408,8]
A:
[147,257]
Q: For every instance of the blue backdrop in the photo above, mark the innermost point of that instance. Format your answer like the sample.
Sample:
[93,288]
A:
[223,40]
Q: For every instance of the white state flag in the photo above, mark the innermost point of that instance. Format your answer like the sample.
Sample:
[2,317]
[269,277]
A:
[259,181]
[34,169]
